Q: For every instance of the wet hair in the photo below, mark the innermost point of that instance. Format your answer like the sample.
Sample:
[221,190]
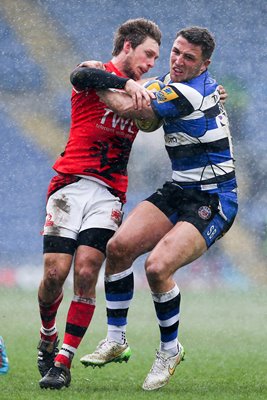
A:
[200,37]
[136,32]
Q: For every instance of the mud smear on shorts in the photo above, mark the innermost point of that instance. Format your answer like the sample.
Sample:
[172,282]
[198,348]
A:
[62,204]
[54,230]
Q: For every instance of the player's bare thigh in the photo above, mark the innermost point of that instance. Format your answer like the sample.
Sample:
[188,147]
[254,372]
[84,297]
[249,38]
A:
[138,234]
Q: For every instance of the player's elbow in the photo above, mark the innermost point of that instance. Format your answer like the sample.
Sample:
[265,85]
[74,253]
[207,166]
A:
[78,78]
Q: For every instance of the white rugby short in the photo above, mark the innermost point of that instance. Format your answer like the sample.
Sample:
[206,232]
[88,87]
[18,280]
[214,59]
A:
[81,205]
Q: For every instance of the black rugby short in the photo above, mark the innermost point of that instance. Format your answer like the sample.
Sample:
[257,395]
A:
[199,208]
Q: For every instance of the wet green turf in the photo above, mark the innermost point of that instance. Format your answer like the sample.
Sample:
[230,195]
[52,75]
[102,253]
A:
[223,331]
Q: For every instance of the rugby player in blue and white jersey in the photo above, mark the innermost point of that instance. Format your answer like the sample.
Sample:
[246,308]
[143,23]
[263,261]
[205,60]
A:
[181,220]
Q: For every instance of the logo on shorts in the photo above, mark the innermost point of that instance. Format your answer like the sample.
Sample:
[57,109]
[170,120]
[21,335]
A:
[48,220]
[116,216]
[204,212]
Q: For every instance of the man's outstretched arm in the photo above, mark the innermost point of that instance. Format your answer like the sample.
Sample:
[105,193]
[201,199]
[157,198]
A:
[122,104]
[94,78]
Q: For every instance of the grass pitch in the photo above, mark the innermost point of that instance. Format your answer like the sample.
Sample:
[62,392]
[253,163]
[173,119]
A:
[223,332]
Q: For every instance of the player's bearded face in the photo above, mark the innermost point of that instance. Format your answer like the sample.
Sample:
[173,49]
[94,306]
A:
[186,60]
[139,60]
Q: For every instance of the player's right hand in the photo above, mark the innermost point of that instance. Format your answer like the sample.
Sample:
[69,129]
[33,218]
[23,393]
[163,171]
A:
[92,64]
[138,94]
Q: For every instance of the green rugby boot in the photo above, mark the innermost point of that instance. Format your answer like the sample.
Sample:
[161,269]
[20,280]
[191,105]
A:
[107,352]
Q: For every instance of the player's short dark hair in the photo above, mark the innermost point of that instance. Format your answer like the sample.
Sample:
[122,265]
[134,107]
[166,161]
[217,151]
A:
[135,31]
[200,37]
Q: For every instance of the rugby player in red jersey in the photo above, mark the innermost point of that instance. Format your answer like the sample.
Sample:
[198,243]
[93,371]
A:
[85,199]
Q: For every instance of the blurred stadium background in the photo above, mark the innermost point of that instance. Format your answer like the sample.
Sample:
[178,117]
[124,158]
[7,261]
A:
[41,41]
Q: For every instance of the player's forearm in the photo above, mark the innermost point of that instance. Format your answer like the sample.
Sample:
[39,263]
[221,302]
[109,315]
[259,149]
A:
[94,78]
[122,104]
[119,102]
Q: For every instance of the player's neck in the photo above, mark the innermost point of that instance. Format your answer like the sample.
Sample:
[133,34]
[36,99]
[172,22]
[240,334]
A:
[119,63]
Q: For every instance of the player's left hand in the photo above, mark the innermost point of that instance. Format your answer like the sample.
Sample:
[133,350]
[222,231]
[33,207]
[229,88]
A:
[138,94]
[223,93]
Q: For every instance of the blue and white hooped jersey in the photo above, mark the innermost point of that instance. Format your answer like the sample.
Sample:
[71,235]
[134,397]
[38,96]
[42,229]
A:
[197,135]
